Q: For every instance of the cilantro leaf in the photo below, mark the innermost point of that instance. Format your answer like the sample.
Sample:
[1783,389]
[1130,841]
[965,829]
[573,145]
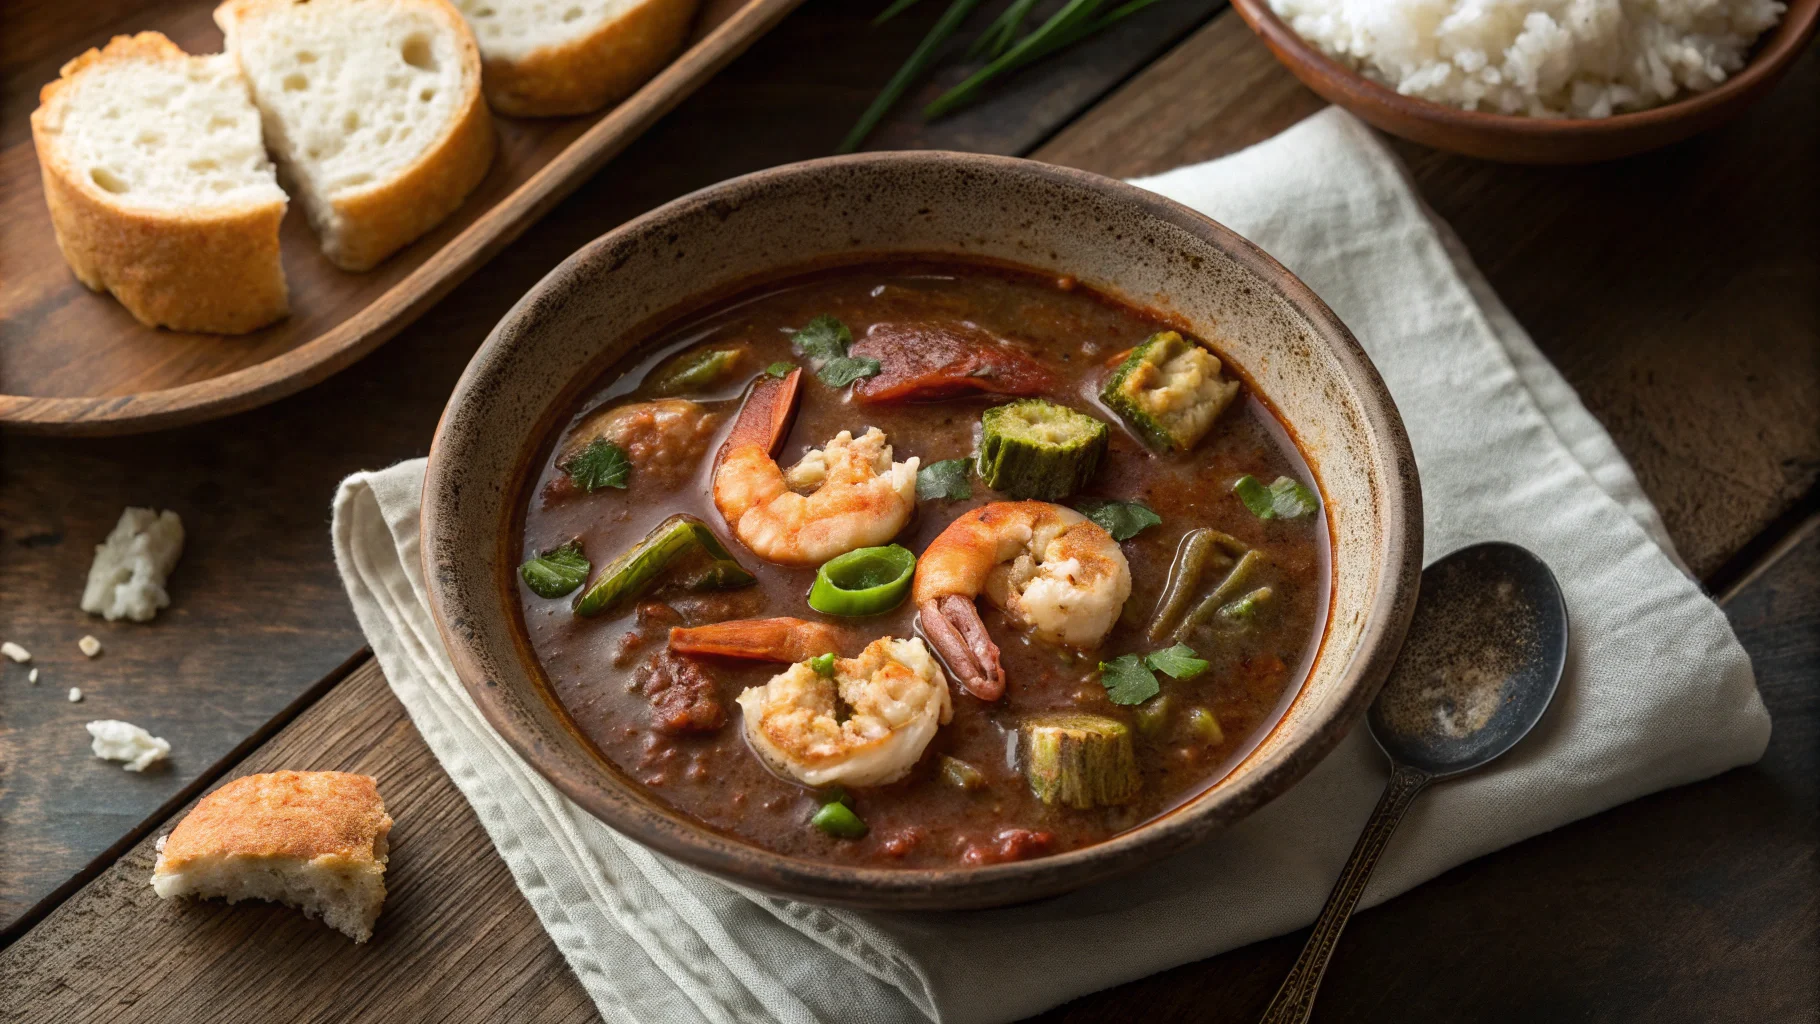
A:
[840,372]
[557,571]
[948,480]
[780,369]
[822,339]
[823,344]
[601,464]
[1284,499]
[1123,519]
[1128,680]
[1178,662]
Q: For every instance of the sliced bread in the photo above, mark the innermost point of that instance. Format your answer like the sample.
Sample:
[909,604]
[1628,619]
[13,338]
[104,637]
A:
[159,188]
[549,57]
[313,840]
[373,110]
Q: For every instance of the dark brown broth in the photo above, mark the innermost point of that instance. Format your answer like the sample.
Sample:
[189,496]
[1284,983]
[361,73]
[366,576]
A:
[718,780]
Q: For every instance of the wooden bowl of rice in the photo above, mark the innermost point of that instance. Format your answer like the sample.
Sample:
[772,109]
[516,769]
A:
[1526,139]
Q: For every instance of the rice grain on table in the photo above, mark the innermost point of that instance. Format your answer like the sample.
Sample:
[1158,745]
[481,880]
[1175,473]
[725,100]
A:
[1541,58]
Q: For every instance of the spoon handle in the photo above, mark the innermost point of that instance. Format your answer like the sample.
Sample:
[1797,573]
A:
[1295,1000]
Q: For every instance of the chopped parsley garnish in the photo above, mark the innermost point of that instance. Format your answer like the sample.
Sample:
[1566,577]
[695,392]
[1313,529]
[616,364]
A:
[780,369]
[823,343]
[1131,678]
[601,464]
[1285,499]
[949,480]
[1123,519]
[1178,662]
[1128,680]
[556,572]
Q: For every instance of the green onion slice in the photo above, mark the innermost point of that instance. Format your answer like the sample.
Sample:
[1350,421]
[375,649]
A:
[839,821]
[864,581]
[697,370]
[628,575]
[822,664]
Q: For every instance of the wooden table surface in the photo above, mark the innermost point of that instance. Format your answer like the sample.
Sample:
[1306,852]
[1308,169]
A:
[1679,292]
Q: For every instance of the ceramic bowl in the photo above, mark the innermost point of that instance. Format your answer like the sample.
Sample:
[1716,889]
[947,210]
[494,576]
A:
[1132,244]
[1531,140]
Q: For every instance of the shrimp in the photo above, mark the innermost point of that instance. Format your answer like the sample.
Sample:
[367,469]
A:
[1049,568]
[865,725]
[664,438]
[847,494]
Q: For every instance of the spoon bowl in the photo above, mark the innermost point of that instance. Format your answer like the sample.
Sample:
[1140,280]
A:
[1484,655]
[1482,660]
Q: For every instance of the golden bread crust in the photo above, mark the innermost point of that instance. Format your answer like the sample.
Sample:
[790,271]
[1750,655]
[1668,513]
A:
[215,270]
[305,815]
[588,74]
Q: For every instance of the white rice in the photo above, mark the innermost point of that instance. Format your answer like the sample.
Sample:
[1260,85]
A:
[1542,58]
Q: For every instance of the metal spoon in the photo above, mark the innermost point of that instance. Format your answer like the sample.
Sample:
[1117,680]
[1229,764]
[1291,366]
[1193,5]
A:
[1481,662]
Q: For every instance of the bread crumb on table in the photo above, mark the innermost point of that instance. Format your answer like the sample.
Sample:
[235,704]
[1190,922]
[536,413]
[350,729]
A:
[127,577]
[12,650]
[75,695]
[89,646]
[124,741]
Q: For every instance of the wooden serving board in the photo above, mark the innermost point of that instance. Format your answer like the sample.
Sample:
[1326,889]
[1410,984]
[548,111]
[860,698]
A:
[75,362]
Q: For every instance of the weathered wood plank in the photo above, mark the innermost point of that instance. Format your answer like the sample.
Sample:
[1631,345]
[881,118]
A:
[1678,291]
[1696,904]
[259,617]
[456,940]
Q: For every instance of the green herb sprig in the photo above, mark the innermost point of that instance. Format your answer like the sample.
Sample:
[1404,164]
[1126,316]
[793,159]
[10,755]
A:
[1000,44]
[823,342]
[1131,678]
[949,480]
[1123,519]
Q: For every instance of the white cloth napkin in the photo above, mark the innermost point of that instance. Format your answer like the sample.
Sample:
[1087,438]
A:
[1657,693]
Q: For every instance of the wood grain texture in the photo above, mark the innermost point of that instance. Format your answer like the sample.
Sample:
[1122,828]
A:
[455,942]
[1678,292]
[73,362]
[1695,905]
[258,616]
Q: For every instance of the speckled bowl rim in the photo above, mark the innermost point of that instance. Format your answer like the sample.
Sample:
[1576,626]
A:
[1399,553]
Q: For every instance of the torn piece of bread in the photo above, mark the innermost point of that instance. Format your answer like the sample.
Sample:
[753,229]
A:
[159,187]
[127,577]
[372,109]
[549,57]
[312,840]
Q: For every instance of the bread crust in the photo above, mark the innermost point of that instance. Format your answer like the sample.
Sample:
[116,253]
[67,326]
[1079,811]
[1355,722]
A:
[302,815]
[378,221]
[216,271]
[587,74]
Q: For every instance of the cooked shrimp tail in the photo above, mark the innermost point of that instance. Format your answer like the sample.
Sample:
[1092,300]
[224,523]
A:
[764,420]
[952,624]
[1049,568]
[781,639]
[847,494]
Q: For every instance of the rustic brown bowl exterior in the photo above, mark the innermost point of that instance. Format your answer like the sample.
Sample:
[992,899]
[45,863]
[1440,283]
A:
[1532,140]
[1122,240]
